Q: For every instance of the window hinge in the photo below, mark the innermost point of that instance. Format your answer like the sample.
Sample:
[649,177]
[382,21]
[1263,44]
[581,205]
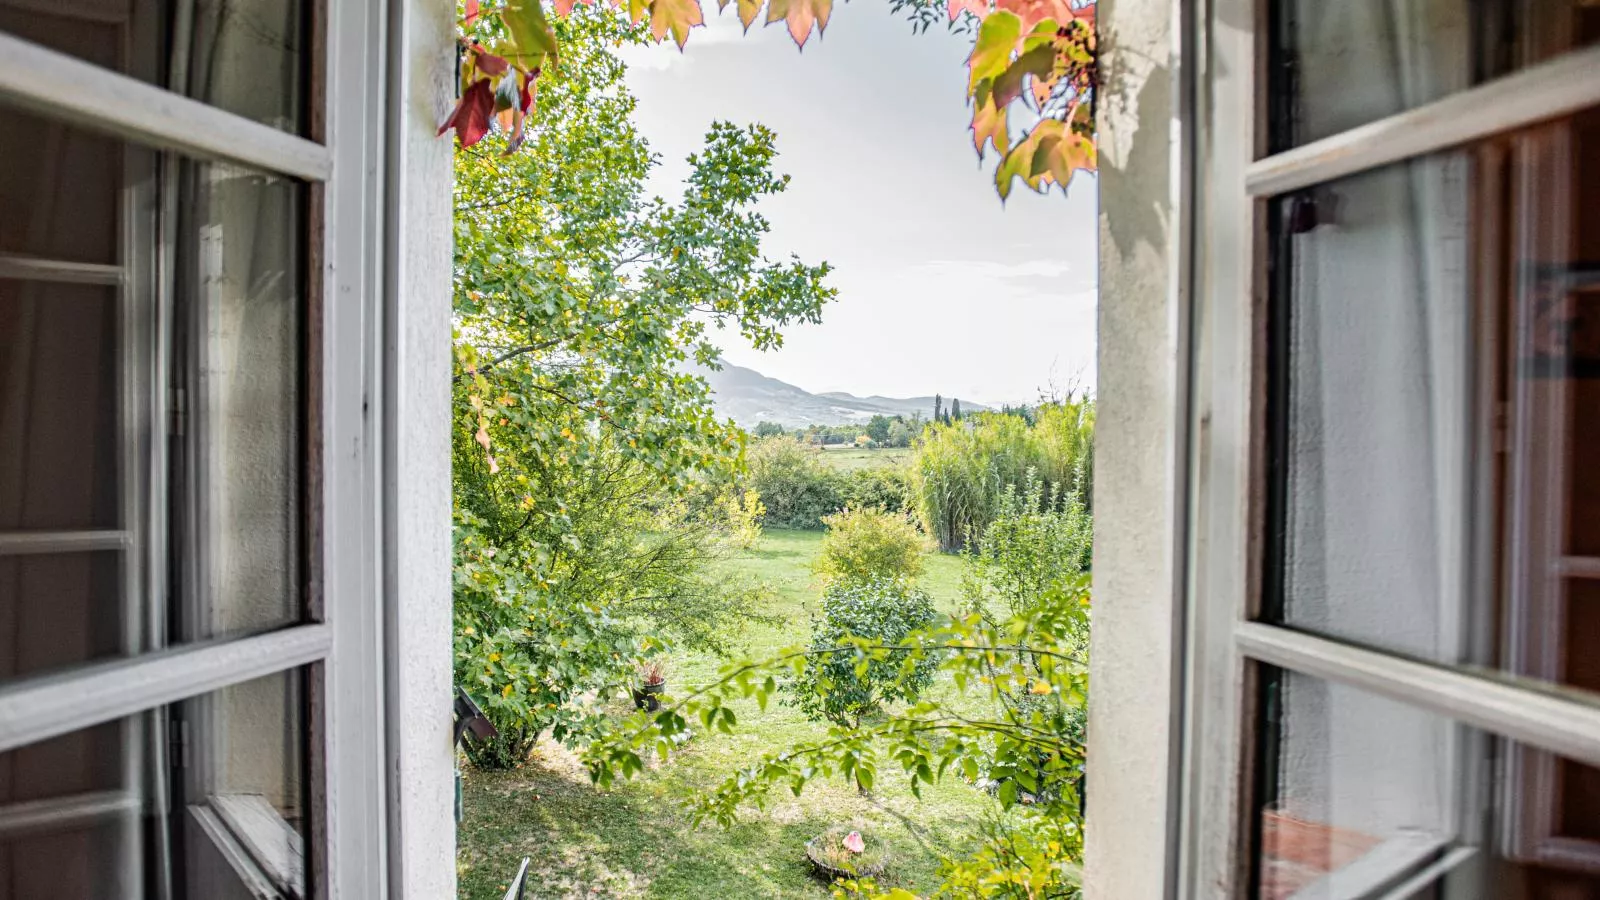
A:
[178,743]
[180,409]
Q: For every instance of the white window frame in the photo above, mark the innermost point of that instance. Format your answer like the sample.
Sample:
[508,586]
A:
[378,564]
[1230,178]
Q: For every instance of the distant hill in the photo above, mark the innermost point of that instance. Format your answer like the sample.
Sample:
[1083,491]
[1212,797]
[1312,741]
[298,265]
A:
[749,397]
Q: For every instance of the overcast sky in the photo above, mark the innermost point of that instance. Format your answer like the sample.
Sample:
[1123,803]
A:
[941,288]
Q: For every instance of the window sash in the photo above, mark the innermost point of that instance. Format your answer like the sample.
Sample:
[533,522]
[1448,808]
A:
[344,396]
[1224,530]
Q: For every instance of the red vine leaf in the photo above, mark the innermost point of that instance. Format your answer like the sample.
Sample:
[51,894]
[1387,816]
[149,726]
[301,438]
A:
[470,118]
[979,8]
[1038,63]
[472,14]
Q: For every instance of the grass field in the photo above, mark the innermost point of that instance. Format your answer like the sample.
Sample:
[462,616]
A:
[635,840]
[846,459]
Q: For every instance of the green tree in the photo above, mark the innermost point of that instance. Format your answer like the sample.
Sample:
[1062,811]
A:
[938,408]
[955,410]
[878,428]
[796,489]
[768,429]
[579,301]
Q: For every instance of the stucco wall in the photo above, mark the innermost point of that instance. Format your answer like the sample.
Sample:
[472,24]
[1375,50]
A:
[1135,491]
[417,464]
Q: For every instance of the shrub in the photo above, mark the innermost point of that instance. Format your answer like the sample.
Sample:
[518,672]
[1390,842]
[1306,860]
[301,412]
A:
[795,487]
[842,687]
[1035,545]
[879,487]
[864,545]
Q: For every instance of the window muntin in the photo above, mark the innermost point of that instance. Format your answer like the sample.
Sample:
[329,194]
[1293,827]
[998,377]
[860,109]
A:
[1360,793]
[1338,66]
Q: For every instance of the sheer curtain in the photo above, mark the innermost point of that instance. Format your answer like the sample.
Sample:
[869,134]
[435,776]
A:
[1380,323]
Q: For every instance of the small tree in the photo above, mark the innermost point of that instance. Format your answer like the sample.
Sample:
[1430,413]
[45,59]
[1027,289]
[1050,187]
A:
[865,545]
[955,410]
[795,488]
[843,686]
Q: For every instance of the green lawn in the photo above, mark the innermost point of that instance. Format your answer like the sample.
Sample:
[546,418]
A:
[635,841]
[847,459]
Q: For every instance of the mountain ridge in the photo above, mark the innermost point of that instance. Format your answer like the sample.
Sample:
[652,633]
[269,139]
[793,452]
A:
[749,397]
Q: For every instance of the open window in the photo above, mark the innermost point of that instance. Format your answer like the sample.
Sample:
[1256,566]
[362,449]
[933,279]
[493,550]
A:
[1391,693]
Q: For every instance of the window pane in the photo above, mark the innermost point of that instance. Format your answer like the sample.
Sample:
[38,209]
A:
[1434,403]
[63,609]
[100,813]
[1360,793]
[244,322]
[60,356]
[247,58]
[1335,66]
[1376,329]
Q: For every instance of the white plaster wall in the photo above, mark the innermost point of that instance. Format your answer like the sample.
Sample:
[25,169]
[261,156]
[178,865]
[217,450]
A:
[1135,491]
[417,465]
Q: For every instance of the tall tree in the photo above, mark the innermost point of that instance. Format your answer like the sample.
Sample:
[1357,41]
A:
[955,409]
[579,302]
[938,408]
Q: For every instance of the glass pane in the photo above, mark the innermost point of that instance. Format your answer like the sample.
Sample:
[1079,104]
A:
[100,814]
[70,184]
[247,58]
[62,609]
[1335,66]
[1376,327]
[1360,793]
[60,360]
[244,323]
[1435,405]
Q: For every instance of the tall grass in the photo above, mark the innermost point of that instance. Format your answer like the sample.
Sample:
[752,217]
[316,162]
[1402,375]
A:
[961,470]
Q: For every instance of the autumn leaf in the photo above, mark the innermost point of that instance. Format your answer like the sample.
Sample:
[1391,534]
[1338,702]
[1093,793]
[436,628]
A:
[1032,12]
[991,52]
[979,8]
[675,16]
[470,118]
[1038,63]
[530,31]
[989,125]
[748,10]
[488,63]
[472,14]
[800,16]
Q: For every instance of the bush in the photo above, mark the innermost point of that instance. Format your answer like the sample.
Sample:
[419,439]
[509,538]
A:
[879,487]
[865,545]
[842,687]
[1036,545]
[795,487]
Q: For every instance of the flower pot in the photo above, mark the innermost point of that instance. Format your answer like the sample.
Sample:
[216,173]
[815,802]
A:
[648,696]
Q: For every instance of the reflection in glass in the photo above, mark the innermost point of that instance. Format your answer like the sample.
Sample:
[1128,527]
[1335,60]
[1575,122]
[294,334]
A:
[1374,402]
[1336,66]
[92,814]
[1361,795]
[246,58]
[1435,405]
[243,336]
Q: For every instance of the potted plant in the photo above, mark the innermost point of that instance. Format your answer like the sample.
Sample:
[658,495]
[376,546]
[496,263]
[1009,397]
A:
[651,684]
[840,852]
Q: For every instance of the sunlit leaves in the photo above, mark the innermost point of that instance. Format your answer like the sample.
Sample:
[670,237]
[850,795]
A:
[800,16]
[675,17]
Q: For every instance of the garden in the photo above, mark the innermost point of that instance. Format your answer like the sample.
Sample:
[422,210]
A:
[716,663]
